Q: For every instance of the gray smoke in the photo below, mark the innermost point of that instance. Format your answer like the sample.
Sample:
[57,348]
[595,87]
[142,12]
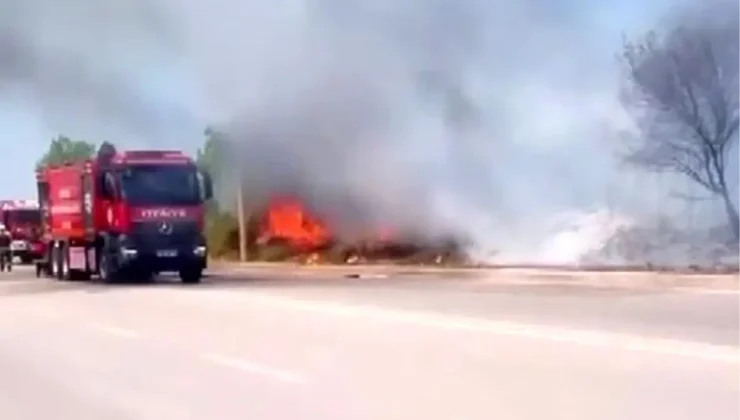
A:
[495,121]
[442,118]
[84,65]
[359,125]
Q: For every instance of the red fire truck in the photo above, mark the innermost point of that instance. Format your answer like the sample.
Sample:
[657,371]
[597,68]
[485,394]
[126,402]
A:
[127,215]
[22,218]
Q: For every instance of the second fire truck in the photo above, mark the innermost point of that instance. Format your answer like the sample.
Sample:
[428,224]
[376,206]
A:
[22,218]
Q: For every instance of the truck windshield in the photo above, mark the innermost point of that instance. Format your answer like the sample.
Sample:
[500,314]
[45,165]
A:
[160,185]
[23,217]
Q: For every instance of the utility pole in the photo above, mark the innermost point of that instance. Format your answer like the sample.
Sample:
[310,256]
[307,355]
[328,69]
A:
[242,221]
[223,139]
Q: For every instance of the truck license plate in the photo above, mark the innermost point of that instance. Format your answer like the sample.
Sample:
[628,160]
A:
[167,253]
[18,246]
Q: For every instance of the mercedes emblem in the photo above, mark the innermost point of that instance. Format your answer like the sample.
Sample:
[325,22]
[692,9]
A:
[165,228]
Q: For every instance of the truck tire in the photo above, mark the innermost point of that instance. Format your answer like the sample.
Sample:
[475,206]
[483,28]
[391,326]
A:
[105,269]
[66,270]
[47,270]
[26,259]
[57,262]
[191,275]
[146,277]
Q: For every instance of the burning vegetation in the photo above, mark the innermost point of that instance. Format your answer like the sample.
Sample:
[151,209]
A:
[285,229]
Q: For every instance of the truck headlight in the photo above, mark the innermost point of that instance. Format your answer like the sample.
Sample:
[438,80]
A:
[127,248]
[200,251]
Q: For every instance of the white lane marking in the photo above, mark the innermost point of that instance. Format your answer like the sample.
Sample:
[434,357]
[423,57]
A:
[256,368]
[118,332]
[524,282]
[15,282]
[584,337]
[699,291]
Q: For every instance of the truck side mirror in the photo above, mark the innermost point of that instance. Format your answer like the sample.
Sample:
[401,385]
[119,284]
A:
[108,187]
[207,184]
[100,187]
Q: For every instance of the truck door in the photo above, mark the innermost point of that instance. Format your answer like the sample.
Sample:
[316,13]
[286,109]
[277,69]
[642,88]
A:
[88,185]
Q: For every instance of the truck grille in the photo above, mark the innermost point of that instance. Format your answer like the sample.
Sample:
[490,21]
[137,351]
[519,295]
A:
[147,235]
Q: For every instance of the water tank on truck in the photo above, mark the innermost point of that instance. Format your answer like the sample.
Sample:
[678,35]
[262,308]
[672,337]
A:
[124,215]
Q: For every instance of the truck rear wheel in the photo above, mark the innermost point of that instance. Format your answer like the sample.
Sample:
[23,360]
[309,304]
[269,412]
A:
[46,267]
[66,270]
[191,275]
[57,262]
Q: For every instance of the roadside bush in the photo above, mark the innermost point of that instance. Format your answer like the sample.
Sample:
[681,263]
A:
[222,233]
[274,252]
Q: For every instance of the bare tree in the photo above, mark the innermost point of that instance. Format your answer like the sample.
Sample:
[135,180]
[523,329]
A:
[682,90]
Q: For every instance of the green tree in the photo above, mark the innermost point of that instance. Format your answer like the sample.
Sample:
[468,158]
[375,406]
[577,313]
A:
[222,229]
[63,149]
[208,158]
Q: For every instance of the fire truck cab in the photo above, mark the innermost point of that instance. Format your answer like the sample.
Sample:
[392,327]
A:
[127,215]
[22,218]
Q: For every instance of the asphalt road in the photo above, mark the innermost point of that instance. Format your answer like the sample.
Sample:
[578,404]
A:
[309,348]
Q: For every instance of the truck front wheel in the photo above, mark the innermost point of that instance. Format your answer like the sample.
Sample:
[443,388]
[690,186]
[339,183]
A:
[106,270]
[191,275]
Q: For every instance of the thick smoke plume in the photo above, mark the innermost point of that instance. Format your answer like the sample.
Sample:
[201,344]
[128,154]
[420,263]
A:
[443,118]
[494,121]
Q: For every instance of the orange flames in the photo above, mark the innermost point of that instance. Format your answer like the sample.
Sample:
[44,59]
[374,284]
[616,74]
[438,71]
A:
[288,220]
